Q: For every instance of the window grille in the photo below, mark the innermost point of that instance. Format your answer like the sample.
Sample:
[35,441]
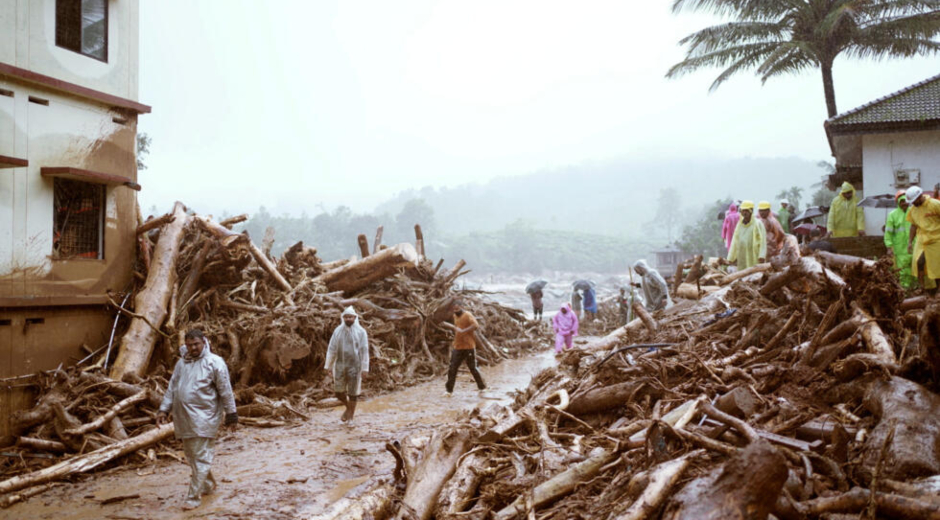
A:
[79,220]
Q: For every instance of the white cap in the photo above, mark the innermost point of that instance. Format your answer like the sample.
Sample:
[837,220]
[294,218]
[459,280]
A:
[912,193]
[784,201]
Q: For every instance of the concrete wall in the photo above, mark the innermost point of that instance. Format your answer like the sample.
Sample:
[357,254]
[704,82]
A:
[882,154]
[27,41]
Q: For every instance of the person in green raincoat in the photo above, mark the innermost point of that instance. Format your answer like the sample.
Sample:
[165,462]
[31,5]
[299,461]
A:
[784,216]
[749,243]
[846,219]
[897,231]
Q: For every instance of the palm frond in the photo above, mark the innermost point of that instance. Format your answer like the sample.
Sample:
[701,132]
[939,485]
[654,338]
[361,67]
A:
[787,58]
[725,35]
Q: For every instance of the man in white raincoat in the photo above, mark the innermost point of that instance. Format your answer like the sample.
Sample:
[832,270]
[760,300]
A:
[655,290]
[198,394]
[347,359]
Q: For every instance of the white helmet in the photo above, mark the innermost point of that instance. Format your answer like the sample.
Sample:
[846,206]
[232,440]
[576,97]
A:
[912,193]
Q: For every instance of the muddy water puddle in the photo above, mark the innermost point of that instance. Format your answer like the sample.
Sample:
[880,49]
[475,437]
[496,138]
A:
[279,473]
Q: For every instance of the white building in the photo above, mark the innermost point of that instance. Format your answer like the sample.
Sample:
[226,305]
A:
[889,144]
[68,175]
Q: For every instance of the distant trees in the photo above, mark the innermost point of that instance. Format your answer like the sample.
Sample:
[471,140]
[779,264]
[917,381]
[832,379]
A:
[143,149]
[704,236]
[784,36]
[793,196]
[668,214]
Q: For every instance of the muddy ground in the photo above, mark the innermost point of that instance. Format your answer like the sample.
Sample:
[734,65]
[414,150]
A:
[292,472]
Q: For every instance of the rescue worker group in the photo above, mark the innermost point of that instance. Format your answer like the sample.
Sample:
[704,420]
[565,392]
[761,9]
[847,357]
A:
[200,402]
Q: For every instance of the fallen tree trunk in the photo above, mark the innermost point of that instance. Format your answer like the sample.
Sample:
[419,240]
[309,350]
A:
[86,462]
[154,223]
[874,337]
[662,478]
[356,275]
[644,315]
[909,417]
[745,487]
[858,499]
[557,486]
[744,273]
[151,302]
[613,339]
[369,505]
[110,414]
[460,490]
[605,398]
[428,478]
[843,261]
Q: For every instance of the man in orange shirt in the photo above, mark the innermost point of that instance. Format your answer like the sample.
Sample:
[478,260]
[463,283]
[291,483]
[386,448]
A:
[464,348]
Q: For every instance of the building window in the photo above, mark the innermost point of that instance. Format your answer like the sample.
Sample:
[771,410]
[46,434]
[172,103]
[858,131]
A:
[82,26]
[79,220]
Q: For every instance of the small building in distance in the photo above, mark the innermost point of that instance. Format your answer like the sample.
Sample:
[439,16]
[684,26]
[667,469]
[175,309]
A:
[68,180]
[668,258]
[888,144]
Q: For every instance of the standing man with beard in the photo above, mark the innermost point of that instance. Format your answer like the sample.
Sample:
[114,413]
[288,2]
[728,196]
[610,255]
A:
[464,350]
[347,359]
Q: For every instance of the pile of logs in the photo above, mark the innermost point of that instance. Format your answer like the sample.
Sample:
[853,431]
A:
[269,318]
[806,392]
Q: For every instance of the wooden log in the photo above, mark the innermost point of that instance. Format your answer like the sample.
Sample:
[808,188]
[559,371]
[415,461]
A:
[120,388]
[557,486]
[419,240]
[917,302]
[154,223]
[878,344]
[435,468]
[615,337]
[858,499]
[40,444]
[115,429]
[231,221]
[739,402]
[191,281]
[605,398]
[235,352]
[374,503]
[514,420]
[16,498]
[743,488]
[744,273]
[645,316]
[151,302]
[912,413]
[378,239]
[690,291]
[86,462]
[353,276]
[662,479]
[335,264]
[461,489]
[843,261]
[363,245]
[453,273]
[112,412]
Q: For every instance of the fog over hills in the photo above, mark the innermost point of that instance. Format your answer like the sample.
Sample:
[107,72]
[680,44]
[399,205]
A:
[616,198]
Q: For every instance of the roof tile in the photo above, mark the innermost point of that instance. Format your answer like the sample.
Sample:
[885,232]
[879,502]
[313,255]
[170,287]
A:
[918,102]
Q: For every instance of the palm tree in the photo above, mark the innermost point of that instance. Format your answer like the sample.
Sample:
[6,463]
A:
[785,36]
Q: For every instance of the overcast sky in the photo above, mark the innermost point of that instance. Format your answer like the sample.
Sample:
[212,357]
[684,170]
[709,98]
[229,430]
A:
[295,104]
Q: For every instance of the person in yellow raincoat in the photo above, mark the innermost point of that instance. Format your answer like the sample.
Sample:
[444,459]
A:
[924,216]
[846,219]
[897,231]
[749,243]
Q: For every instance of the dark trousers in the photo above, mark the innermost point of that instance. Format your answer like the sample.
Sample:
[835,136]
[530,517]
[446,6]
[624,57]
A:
[456,358]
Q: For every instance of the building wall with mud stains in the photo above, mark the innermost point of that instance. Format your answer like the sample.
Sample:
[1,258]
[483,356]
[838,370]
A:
[882,154]
[52,311]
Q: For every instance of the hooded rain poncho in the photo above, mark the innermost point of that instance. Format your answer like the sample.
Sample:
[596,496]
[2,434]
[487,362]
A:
[927,241]
[348,355]
[897,232]
[783,216]
[655,289]
[749,244]
[198,394]
[565,324]
[731,221]
[846,219]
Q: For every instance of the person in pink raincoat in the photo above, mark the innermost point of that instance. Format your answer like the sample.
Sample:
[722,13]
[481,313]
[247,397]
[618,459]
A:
[565,324]
[731,221]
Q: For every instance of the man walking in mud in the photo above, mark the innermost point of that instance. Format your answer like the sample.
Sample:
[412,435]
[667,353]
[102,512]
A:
[198,394]
[464,349]
[347,359]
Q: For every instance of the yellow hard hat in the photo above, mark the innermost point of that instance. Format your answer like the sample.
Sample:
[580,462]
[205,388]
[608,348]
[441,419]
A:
[747,204]
[763,205]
